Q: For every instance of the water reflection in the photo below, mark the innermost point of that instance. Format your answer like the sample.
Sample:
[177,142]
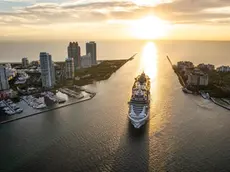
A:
[148,60]
[133,151]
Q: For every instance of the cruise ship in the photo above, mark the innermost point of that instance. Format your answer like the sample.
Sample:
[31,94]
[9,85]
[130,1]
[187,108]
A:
[140,100]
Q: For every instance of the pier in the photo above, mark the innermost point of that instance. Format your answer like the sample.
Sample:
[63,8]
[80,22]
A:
[179,76]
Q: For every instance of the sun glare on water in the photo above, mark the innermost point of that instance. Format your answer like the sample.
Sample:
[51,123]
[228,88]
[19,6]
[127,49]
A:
[148,60]
[149,27]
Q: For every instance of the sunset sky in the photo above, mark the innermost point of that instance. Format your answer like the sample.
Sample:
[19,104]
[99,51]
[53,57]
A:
[115,19]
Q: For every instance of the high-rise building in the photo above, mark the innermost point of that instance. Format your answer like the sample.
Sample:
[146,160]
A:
[4,84]
[69,68]
[86,61]
[91,48]
[74,52]
[47,70]
[25,62]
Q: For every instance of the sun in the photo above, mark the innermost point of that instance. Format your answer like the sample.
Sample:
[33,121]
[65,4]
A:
[149,27]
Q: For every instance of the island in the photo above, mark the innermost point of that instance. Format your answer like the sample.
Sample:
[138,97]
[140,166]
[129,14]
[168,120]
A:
[27,97]
[205,80]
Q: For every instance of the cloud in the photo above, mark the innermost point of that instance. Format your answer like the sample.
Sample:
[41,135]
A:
[177,12]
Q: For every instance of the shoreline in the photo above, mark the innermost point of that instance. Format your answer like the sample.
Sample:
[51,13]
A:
[92,95]
[187,91]
[219,104]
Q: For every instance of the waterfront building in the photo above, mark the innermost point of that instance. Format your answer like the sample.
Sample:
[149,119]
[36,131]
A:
[86,61]
[47,70]
[74,52]
[69,68]
[4,84]
[34,63]
[198,78]
[53,72]
[203,66]
[91,48]
[25,62]
[58,72]
[6,94]
[8,66]
[223,69]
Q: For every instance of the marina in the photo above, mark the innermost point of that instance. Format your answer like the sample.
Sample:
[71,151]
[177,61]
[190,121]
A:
[36,111]
[10,108]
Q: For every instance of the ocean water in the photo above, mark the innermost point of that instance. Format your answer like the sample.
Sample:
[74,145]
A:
[197,51]
[185,132]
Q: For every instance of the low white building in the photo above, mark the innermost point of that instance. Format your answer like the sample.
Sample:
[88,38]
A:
[69,68]
[198,78]
[223,69]
[86,61]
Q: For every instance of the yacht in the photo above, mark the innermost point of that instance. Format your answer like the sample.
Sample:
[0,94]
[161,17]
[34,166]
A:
[140,100]
[2,104]
[19,110]
[9,112]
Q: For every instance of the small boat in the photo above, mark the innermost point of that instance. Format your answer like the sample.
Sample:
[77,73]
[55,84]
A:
[6,108]
[204,95]
[9,112]
[2,105]
[41,106]
[19,110]
[185,90]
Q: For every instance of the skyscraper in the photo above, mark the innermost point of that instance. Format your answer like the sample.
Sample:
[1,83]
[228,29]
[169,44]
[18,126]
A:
[25,62]
[74,52]
[69,68]
[47,70]
[4,85]
[91,48]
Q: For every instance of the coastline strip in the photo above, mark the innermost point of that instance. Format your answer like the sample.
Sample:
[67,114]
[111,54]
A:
[217,103]
[69,104]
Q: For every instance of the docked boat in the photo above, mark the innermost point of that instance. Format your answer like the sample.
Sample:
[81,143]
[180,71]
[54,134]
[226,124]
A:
[2,104]
[140,100]
[204,95]
[9,112]
[185,90]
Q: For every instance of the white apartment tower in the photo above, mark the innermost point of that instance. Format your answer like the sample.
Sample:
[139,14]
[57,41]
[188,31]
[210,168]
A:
[47,70]
[4,85]
[69,68]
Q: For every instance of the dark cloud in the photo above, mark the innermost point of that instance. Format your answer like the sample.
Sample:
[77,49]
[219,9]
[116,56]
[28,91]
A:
[178,12]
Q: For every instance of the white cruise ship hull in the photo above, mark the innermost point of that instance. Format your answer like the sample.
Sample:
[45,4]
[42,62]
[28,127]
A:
[138,123]
[139,102]
[138,119]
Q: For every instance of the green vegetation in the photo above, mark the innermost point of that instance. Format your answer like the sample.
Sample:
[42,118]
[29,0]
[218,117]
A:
[219,83]
[97,73]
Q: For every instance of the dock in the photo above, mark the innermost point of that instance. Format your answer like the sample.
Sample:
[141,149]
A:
[179,76]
